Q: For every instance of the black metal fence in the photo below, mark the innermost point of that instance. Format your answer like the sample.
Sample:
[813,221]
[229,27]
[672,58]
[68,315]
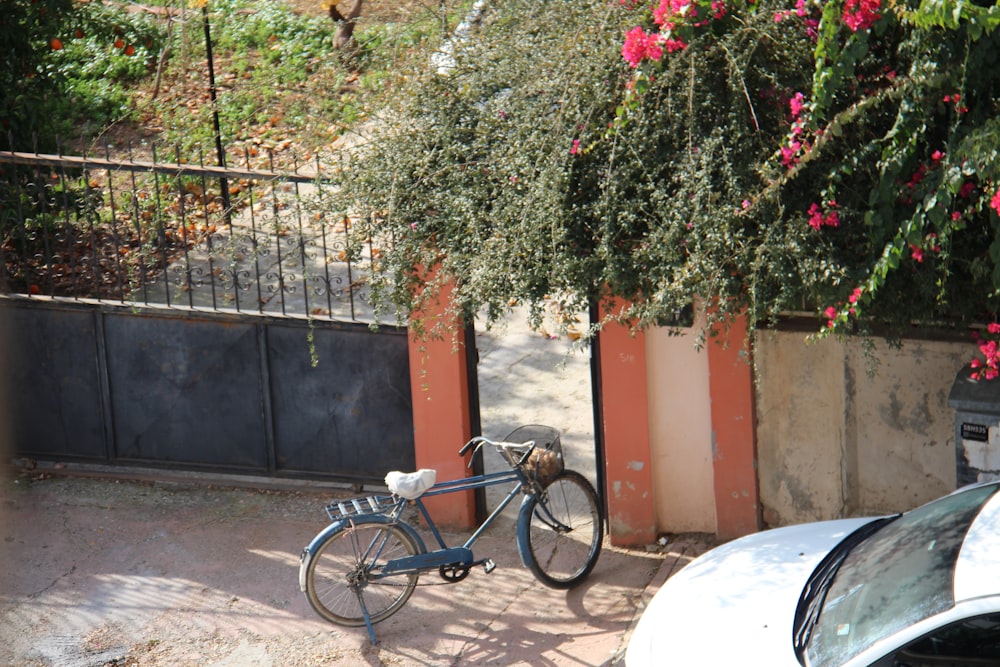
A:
[172,233]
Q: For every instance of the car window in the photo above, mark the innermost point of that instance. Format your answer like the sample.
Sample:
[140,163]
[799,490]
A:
[974,642]
[896,577]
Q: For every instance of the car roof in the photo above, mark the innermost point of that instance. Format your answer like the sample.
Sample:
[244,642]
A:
[977,571]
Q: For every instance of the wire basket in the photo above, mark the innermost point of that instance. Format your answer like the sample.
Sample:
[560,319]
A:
[546,460]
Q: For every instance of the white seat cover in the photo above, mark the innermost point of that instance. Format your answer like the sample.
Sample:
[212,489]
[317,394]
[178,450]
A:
[410,485]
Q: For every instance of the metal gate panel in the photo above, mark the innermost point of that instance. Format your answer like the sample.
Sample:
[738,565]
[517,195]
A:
[183,389]
[186,390]
[351,413]
[54,392]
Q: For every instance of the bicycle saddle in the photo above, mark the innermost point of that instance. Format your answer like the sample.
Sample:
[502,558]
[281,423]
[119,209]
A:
[410,485]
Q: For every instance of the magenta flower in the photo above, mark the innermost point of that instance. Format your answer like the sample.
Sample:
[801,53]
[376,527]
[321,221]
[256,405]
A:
[669,9]
[796,104]
[861,14]
[817,219]
[995,202]
[640,45]
[789,152]
[575,148]
[815,216]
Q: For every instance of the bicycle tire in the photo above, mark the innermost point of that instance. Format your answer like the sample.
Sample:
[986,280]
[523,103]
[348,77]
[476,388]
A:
[339,573]
[562,559]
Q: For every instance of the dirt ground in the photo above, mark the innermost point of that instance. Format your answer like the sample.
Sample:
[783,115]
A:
[105,573]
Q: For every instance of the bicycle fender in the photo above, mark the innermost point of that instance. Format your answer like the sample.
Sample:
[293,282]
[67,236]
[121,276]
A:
[305,558]
[523,525]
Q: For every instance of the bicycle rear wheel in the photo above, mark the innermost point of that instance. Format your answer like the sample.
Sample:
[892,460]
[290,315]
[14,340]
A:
[561,530]
[343,572]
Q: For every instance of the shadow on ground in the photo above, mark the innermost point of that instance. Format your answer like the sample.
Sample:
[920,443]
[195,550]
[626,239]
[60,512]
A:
[115,573]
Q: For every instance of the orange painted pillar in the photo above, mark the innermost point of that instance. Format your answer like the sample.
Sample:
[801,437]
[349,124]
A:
[734,447]
[439,385]
[628,473]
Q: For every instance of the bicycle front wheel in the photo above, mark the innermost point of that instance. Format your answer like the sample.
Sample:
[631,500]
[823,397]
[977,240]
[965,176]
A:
[343,574]
[560,531]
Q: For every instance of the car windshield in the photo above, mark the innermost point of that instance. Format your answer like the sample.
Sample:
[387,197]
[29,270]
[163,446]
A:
[898,576]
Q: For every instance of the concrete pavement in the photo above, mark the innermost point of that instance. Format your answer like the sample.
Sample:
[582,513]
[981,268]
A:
[99,572]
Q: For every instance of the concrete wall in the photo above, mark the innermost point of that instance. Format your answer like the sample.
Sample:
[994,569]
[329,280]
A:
[833,440]
[680,433]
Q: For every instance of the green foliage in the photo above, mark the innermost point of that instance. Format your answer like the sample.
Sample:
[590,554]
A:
[69,62]
[26,79]
[278,35]
[472,168]
[695,178]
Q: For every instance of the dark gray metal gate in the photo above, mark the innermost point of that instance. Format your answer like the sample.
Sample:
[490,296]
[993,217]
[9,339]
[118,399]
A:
[169,313]
[234,393]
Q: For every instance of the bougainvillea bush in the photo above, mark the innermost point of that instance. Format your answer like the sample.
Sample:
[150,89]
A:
[837,158]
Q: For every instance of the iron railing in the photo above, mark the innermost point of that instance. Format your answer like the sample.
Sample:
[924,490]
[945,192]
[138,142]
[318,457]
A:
[155,233]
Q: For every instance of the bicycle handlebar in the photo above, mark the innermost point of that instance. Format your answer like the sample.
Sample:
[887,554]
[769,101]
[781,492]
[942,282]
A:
[479,440]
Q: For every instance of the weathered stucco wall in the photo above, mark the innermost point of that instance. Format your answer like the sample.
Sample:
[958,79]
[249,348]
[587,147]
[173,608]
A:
[680,433]
[834,441]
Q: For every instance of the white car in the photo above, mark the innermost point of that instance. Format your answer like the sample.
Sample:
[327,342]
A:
[919,589]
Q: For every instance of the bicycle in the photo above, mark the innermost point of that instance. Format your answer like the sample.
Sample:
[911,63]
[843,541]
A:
[364,566]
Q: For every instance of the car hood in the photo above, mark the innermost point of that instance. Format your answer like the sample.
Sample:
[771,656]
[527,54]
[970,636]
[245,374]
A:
[735,604]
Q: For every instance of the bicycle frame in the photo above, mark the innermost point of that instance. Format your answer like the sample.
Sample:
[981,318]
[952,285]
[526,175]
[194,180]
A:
[459,555]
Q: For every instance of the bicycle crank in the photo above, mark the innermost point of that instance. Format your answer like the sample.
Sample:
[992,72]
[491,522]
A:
[453,573]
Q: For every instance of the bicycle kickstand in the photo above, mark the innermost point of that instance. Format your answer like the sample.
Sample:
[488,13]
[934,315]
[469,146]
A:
[368,618]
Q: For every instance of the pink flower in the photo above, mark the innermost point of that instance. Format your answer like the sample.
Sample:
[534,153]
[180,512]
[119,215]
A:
[672,8]
[967,189]
[995,202]
[575,148]
[815,216]
[817,219]
[830,312]
[916,253]
[855,295]
[796,104]
[789,152]
[639,45]
[993,327]
[937,156]
[861,14]
[674,45]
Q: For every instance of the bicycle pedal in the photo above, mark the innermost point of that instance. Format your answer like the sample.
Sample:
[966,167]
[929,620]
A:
[489,565]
